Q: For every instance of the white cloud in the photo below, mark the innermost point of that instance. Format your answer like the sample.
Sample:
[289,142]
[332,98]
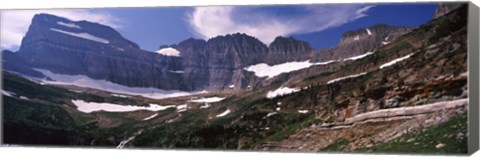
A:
[208,22]
[14,23]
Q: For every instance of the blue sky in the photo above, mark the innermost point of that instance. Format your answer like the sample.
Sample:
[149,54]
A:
[320,25]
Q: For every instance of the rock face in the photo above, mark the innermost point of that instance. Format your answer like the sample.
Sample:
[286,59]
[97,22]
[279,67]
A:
[444,8]
[84,48]
[361,41]
[14,63]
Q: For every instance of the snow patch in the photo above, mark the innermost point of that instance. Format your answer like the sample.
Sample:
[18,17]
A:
[265,70]
[153,116]
[208,100]
[126,141]
[303,111]
[83,36]
[231,86]
[169,52]
[177,71]
[85,81]
[278,109]
[385,43]
[24,98]
[119,95]
[359,56]
[7,93]
[70,25]
[271,114]
[281,91]
[346,77]
[88,107]
[205,106]
[395,61]
[224,113]
[182,108]
[368,31]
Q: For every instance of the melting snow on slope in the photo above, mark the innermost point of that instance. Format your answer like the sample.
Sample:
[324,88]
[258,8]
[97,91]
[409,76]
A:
[89,107]
[82,35]
[359,56]
[70,25]
[153,116]
[368,31]
[84,81]
[281,91]
[265,70]
[346,77]
[182,108]
[224,113]
[169,52]
[395,61]
[208,100]
[7,93]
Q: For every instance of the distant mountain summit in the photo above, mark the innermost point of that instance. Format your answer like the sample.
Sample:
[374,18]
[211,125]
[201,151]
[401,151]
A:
[360,41]
[70,47]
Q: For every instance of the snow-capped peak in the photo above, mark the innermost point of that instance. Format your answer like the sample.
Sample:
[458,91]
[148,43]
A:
[169,52]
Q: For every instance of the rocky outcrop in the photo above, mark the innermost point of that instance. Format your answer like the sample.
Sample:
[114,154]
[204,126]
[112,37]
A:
[445,7]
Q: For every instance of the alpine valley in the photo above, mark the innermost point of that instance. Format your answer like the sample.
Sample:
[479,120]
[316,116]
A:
[381,89]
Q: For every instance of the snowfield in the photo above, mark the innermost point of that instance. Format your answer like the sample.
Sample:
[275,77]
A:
[208,100]
[169,52]
[89,107]
[70,25]
[395,61]
[85,81]
[83,36]
[281,91]
[265,70]
[346,77]
[359,56]
[224,113]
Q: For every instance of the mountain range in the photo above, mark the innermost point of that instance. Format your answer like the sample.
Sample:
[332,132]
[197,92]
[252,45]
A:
[382,88]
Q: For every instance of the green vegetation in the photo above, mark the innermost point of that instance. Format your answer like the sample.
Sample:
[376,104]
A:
[338,145]
[451,134]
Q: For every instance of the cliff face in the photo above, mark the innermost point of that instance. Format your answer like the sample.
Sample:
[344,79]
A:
[84,48]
